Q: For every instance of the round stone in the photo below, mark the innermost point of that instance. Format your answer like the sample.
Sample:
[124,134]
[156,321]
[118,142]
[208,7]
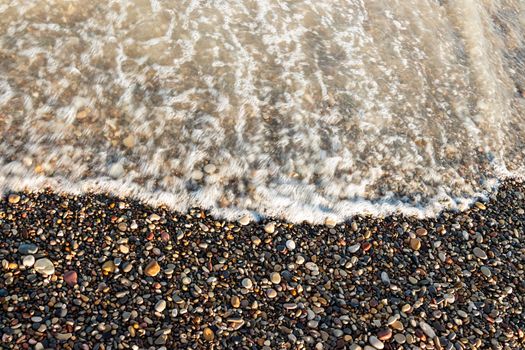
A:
[209,168]
[425,327]
[208,334]
[354,248]
[28,260]
[245,220]
[27,248]
[109,267]
[400,338]
[415,243]
[71,278]
[290,244]
[13,198]
[330,222]
[44,266]
[129,141]
[275,277]
[152,269]
[421,232]
[271,293]
[247,283]
[376,343]
[384,334]
[160,306]
[311,266]
[235,301]
[116,170]
[186,280]
[269,227]
[486,271]
[480,253]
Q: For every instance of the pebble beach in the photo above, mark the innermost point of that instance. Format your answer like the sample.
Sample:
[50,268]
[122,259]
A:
[101,272]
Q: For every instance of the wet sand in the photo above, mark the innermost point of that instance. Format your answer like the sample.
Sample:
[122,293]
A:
[100,272]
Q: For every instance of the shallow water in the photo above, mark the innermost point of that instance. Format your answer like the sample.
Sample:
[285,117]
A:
[299,109]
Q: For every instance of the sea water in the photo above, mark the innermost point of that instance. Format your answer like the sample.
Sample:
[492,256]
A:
[297,109]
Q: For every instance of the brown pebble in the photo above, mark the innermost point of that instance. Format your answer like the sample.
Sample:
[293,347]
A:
[421,232]
[235,301]
[152,269]
[415,243]
[208,334]
[13,198]
[71,278]
[384,334]
[108,267]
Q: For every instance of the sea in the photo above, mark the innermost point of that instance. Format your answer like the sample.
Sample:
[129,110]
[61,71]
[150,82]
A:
[300,110]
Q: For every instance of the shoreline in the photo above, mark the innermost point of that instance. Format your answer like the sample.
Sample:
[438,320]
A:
[96,271]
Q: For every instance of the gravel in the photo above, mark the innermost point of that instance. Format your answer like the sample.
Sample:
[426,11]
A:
[101,272]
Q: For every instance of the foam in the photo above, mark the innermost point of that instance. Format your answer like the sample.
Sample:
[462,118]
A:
[305,109]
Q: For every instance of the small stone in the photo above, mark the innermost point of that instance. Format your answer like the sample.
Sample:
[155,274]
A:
[154,217]
[235,301]
[384,278]
[376,343]
[160,306]
[44,266]
[290,244]
[164,236]
[71,278]
[480,205]
[397,325]
[116,170]
[247,283]
[400,338]
[28,260]
[415,243]
[421,232]
[480,253]
[425,327]
[210,168]
[354,248]
[384,334]
[186,280]
[109,267]
[208,334]
[330,222]
[129,141]
[27,248]
[63,336]
[13,198]
[245,220]
[271,293]
[486,271]
[311,266]
[122,226]
[275,277]
[161,339]
[152,269]
[269,227]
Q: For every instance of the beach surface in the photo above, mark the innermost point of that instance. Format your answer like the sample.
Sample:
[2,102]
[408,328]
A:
[101,272]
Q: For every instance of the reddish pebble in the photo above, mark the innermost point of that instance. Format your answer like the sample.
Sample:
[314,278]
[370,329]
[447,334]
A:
[384,334]
[71,278]
[366,246]
[157,285]
[165,236]
[150,236]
